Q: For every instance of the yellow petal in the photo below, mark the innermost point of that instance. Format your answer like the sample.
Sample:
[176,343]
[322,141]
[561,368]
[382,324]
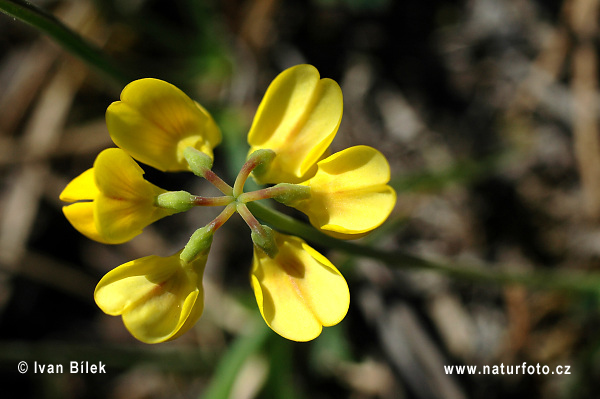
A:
[349,193]
[155,121]
[119,176]
[81,216]
[297,118]
[83,187]
[119,221]
[159,298]
[125,204]
[299,291]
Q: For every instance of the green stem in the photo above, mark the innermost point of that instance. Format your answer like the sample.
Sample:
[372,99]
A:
[250,220]
[257,158]
[264,193]
[240,180]
[212,201]
[223,217]
[262,236]
[588,283]
[64,36]
[219,183]
[228,369]
[283,192]
[200,242]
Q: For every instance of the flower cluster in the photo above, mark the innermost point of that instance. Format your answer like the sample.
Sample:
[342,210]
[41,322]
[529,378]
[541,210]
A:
[297,289]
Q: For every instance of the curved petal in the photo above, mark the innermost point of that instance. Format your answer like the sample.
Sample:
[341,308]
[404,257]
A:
[299,291]
[155,121]
[81,216]
[83,187]
[297,118]
[126,201]
[119,221]
[349,193]
[159,298]
[119,176]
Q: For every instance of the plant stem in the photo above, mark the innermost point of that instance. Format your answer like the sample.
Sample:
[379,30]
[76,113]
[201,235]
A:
[212,201]
[216,181]
[223,217]
[259,157]
[240,180]
[264,193]
[64,36]
[250,220]
[585,283]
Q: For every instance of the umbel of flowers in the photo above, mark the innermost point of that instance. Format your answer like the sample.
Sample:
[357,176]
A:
[298,290]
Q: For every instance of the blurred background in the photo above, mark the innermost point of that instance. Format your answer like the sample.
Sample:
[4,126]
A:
[487,111]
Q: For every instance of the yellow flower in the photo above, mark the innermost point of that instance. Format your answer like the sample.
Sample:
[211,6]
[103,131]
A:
[298,291]
[349,195]
[116,201]
[159,298]
[297,118]
[155,121]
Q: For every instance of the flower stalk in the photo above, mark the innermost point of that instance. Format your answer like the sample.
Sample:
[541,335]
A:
[200,164]
[200,242]
[262,236]
[212,201]
[259,158]
[284,192]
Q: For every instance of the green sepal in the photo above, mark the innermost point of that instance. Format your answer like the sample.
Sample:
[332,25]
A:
[198,161]
[292,193]
[199,243]
[265,240]
[179,201]
[263,159]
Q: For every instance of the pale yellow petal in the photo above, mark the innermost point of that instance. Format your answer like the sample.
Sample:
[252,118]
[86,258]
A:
[298,291]
[154,121]
[159,298]
[126,203]
[126,285]
[349,193]
[81,216]
[159,318]
[83,187]
[119,176]
[297,118]
[120,220]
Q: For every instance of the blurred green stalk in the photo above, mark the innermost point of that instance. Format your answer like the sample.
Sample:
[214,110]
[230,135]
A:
[64,36]
[583,283]
[234,359]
